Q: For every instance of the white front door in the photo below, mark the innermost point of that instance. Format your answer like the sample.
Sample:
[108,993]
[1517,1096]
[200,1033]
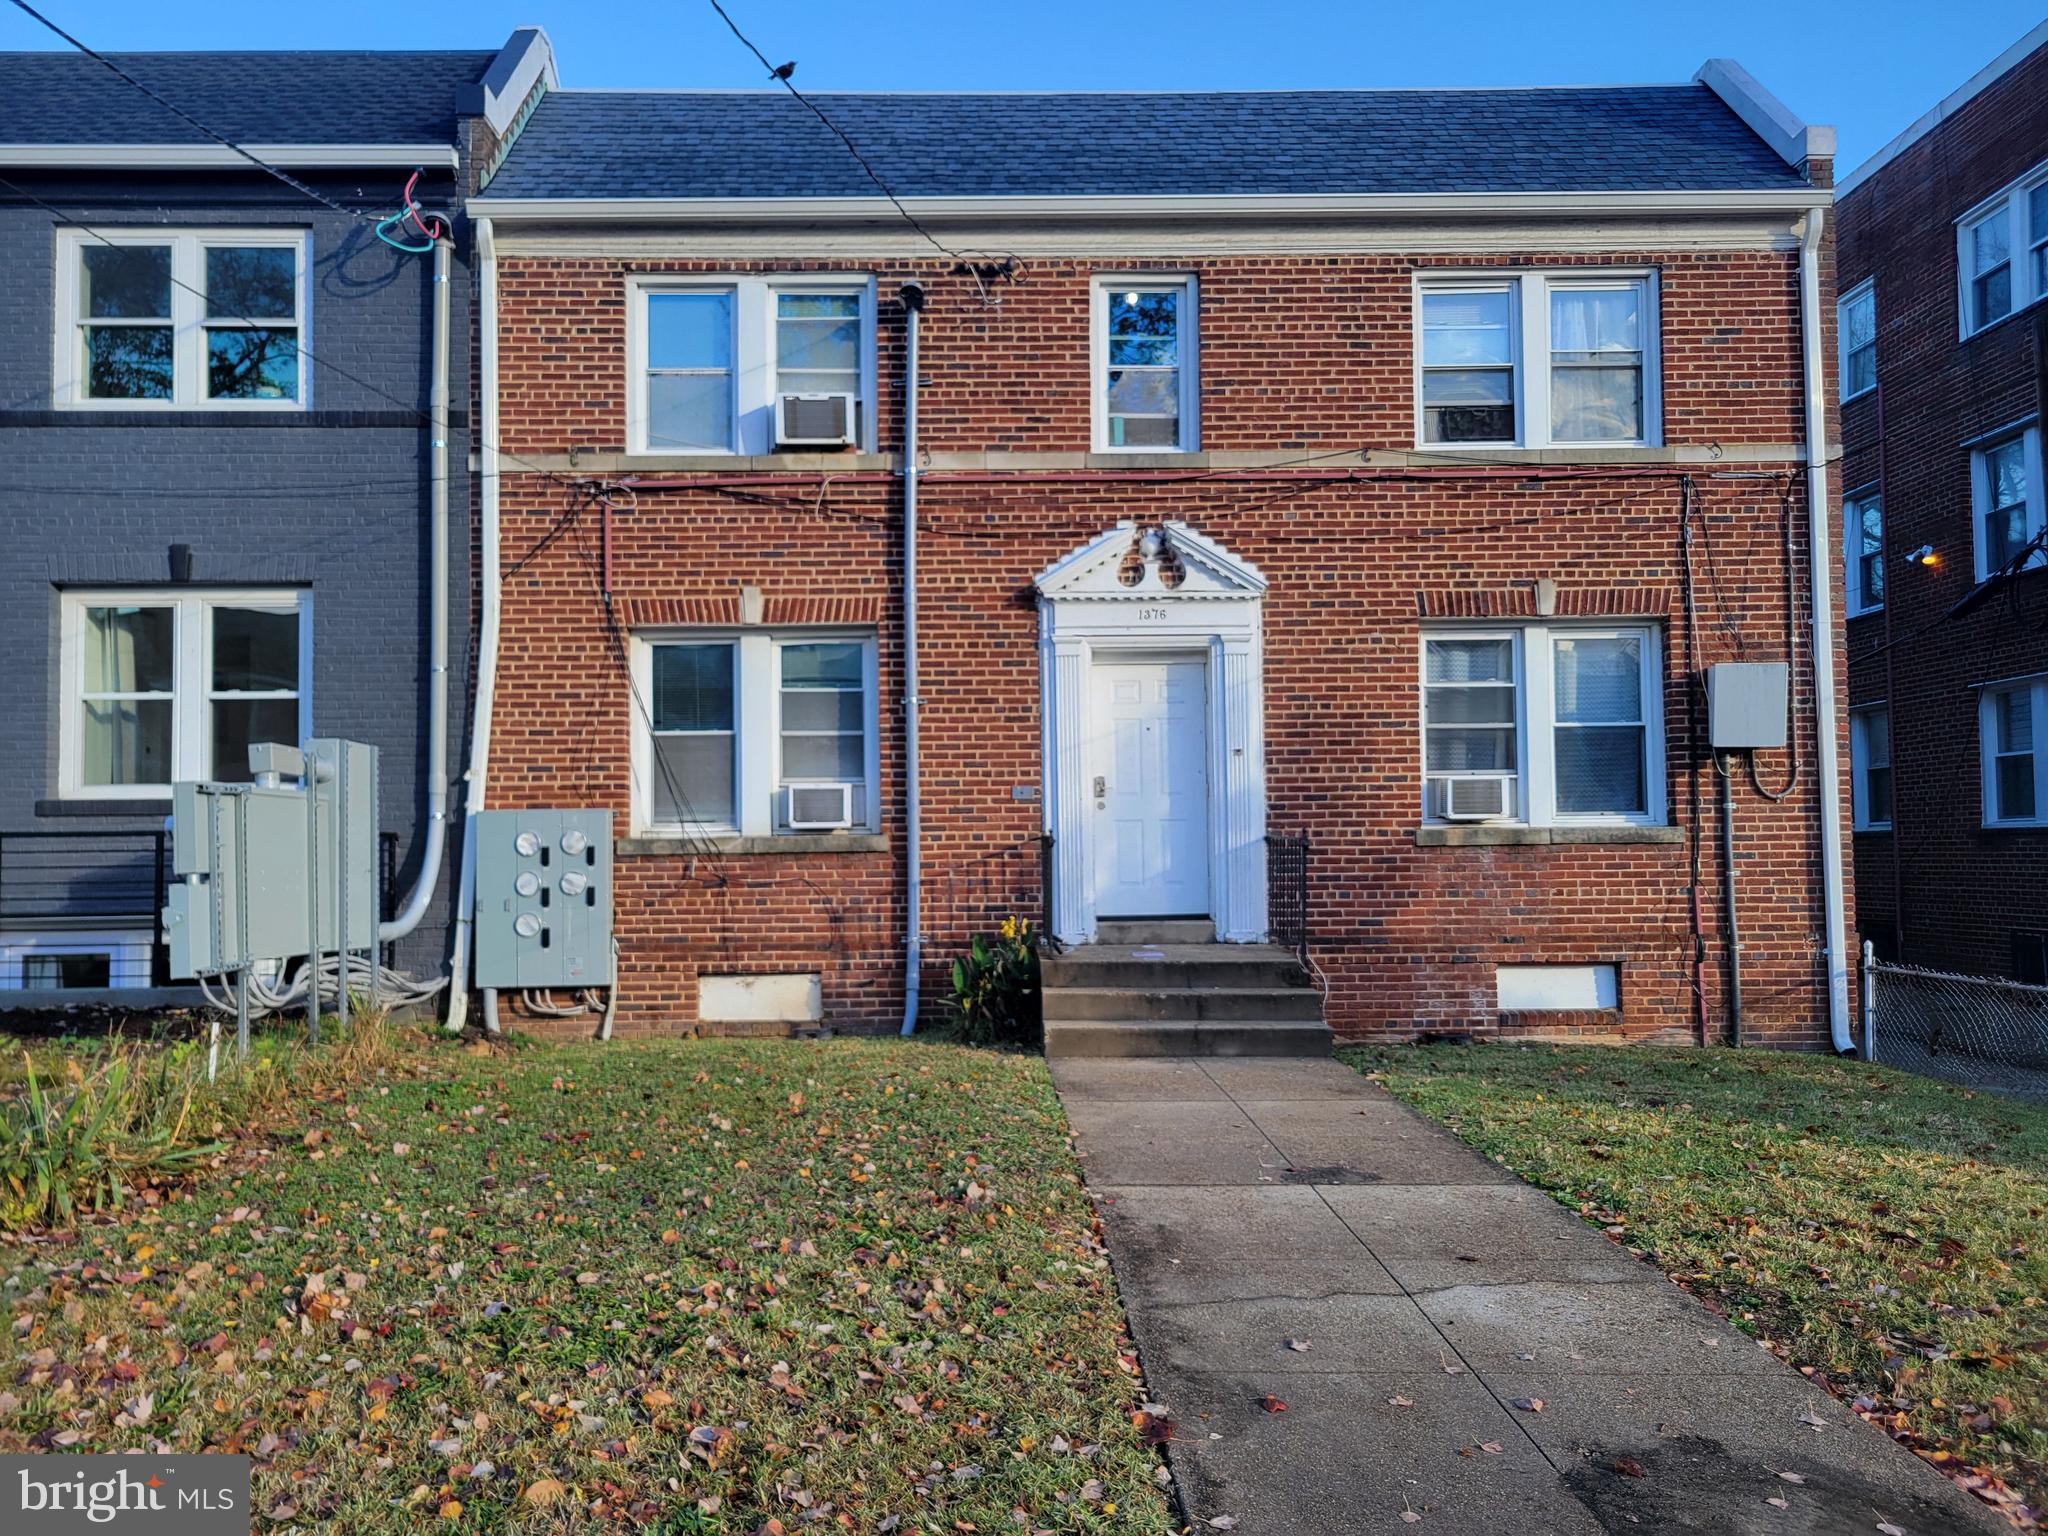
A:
[1149,788]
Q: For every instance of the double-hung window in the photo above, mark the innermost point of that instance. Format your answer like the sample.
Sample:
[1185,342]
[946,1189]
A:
[1863,526]
[2002,252]
[1143,345]
[1856,335]
[160,686]
[707,358]
[2012,726]
[195,318]
[1870,763]
[2007,498]
[1537,360]
[1544,724]
[755,732]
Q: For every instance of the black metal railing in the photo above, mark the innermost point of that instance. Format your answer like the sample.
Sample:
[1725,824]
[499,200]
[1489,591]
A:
[88,880]
[1287,891]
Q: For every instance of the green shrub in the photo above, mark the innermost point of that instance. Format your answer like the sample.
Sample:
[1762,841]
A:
[995,989]
[81,1145]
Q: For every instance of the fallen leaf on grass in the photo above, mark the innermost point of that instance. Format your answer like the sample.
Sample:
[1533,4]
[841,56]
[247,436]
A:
[544,1492]
[1153,1428]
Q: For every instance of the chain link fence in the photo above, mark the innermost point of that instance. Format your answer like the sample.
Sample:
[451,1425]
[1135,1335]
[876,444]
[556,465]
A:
[1978,1031]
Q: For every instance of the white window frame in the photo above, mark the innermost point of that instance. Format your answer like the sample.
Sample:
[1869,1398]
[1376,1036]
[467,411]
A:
[1187,335]
[1530,304]
[1535,721]
[1860,765]
[1987,744]
[757,726]
[127,951]
[191,678]
[753,353]
[1863,292]
[187,317]
[2013,203]
[1859,601]
[1980,490]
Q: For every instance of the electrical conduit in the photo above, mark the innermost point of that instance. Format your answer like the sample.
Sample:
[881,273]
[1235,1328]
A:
[429,877]
[913,811]
[487,630]
[1822,553]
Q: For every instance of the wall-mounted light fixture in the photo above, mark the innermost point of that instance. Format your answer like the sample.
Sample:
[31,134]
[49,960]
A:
[1924,555]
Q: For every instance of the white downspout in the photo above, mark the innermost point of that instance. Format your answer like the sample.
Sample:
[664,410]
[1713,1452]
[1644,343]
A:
[1822,547]
[429,879]
[487,624]
[913,809]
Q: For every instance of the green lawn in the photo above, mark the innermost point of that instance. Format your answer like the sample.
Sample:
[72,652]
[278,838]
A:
[1886,1231]
[685,1287]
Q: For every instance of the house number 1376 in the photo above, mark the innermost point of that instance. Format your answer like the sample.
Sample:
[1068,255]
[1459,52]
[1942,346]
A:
[1151,615]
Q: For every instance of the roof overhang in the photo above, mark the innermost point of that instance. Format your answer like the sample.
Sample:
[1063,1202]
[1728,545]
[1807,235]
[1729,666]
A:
[855,210]
[91,157]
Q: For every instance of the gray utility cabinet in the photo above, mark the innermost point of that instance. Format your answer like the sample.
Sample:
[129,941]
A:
[260,872]
[1746,705]
[543,899]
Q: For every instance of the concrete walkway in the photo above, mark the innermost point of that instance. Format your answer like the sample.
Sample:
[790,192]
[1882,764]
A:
[1285,1231]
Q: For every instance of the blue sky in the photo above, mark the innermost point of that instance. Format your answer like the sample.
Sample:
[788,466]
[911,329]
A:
[1869,69]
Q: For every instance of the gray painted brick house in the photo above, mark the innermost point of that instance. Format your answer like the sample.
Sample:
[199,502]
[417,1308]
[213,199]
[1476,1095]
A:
[214,396]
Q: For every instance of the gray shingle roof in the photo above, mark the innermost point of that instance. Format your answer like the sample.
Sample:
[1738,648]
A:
[625,144]
[256,98]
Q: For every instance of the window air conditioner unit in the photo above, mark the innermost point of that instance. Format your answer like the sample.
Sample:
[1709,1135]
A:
[816,421]
[1487,798]
[818,807]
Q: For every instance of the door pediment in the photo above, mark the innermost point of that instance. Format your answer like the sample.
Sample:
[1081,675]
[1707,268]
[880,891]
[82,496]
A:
[1115,567]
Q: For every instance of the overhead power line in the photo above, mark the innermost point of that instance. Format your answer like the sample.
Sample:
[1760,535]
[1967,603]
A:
[780,73]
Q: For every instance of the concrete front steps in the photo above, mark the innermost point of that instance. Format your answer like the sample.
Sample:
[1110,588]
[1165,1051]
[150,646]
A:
[1167,988]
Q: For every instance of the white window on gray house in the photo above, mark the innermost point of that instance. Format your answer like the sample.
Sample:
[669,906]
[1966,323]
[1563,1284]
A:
[1537,359]
[2012,726]
[1143,343]
[168,319]
[707,359]
[163,686]
[1547,724]
[1870,762]
[1863,525]
[2006,495]
[755,732]
[2002,252]
[1856,332]
[1468,364]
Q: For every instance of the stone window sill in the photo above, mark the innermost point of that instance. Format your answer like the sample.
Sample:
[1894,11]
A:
[1541,837]
[677,847]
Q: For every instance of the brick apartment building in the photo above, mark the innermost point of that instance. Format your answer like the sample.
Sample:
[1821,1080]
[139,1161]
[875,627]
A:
[1944,267]
[1373,466]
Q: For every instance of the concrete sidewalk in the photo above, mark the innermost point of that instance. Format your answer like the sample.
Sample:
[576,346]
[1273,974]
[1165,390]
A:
[1285,1231]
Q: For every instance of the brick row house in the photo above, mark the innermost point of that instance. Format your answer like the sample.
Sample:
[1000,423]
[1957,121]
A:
[218,407]
[1944,332]
[1379,469]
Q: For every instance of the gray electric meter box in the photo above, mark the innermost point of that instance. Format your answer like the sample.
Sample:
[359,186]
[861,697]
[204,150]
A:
[1746,705]
[543,899]
[258,869]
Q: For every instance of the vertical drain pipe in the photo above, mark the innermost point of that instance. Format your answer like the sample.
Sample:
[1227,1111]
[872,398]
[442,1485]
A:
[1823,556]
[913,809]
[429,878]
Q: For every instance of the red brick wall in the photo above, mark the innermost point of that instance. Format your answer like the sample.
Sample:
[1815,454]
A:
[1298,353]
[1951,890]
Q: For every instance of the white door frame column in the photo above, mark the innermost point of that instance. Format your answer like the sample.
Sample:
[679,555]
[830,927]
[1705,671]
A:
[1185,595]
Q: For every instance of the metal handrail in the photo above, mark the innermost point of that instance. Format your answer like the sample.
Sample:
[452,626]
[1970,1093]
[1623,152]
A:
[1287,857]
